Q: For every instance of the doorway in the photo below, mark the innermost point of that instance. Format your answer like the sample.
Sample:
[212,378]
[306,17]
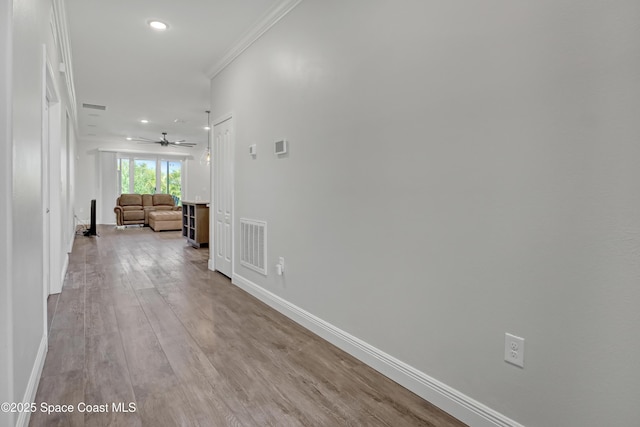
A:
[222,185]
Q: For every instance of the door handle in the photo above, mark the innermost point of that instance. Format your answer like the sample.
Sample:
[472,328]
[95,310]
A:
[47,210]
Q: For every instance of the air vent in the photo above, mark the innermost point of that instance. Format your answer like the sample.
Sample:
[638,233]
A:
[253,245]
[94,106]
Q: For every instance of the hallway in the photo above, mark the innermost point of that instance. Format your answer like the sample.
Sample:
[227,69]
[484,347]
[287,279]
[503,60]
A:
[141,319]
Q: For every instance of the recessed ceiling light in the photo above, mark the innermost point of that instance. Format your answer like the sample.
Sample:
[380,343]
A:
[144,121]
[158,25]
[129,138]
[207,128]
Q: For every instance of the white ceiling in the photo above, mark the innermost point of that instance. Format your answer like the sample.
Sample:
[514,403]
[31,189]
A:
[140,73]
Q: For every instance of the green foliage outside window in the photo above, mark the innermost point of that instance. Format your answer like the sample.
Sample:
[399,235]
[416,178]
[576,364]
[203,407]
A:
[144,177]
[175,188]
[124,176]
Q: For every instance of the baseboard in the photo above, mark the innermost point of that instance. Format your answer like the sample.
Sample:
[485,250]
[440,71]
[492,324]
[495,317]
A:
[71,241]
[34,380]
[446,398]
[65,267]
[210,265]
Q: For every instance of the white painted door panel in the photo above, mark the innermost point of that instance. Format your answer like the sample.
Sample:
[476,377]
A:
[223,195]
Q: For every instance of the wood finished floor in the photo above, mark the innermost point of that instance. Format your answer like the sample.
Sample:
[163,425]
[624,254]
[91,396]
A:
[141,319]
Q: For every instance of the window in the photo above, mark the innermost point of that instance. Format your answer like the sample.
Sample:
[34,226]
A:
[150,176]
[144,176]
[170,178]
[123,167]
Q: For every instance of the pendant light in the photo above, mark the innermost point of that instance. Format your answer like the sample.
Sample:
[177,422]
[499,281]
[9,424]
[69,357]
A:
[205,159]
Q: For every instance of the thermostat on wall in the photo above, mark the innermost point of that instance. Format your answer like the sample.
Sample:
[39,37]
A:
[281,146]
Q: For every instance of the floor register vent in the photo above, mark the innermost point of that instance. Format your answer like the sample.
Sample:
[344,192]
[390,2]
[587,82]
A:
[253,245]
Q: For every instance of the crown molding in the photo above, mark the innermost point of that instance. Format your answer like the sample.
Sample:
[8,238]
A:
[268,20]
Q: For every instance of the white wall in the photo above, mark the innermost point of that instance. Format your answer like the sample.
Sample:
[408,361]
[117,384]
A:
[22,334]
[30,21]
[198,185]
[457,170]
[88,169]
[6,168]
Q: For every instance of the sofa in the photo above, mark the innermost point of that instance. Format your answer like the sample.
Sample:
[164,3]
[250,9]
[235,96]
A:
[135,208]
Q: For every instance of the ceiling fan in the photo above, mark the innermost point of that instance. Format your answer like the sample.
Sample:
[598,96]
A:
[164,141]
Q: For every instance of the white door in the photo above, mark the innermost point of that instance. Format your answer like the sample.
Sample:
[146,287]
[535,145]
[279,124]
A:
[223,195]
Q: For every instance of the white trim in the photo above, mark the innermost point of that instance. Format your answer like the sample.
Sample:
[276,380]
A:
[49,97]
[64,47]
[72,238]
[34,380]
[54,133]
[63,270]
[446,398]
[268,20]
[221,119]
[181,156]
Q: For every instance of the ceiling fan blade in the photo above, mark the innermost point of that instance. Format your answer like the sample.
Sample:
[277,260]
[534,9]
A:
[142,138]
[148,142]
[182,144]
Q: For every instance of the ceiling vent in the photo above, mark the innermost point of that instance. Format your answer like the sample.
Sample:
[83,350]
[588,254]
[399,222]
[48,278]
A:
[94,106]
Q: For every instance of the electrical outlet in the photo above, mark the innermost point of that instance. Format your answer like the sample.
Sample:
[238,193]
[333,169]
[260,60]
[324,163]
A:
[514,350]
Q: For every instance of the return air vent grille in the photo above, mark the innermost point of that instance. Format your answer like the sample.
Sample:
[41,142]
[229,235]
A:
[253,245]
[94,107]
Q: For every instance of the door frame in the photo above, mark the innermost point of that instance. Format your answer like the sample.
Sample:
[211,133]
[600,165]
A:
[44,180]
[54,181]
[212,212]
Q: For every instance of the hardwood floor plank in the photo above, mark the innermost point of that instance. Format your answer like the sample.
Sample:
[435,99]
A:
[163,320]
[149,368]
[209,406]
[70,310]
[107,380]
[63,389]
[169,408]
[100,314]
[187,360]
[52,303]
[66,350]
[74,278]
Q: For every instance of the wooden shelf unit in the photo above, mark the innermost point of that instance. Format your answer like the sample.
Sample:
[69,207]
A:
[195,223]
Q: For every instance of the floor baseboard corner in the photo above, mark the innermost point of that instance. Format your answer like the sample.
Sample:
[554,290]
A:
[444,397]
[34,381]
